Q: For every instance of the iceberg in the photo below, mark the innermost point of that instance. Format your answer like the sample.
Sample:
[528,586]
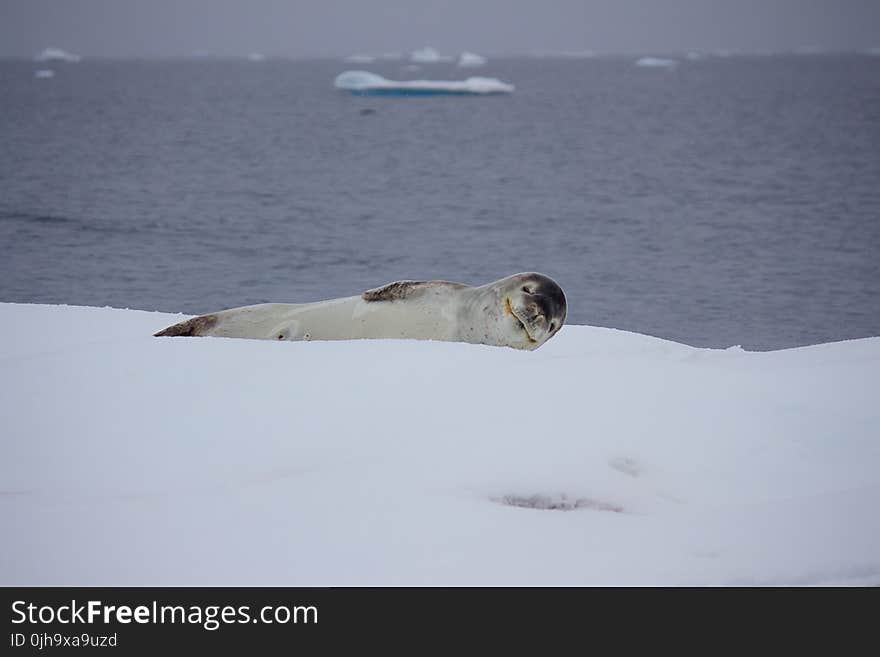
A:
[469,59]
[57,55]
[428,55]
[656,62]
[639,461]
[44,73]
[364,83]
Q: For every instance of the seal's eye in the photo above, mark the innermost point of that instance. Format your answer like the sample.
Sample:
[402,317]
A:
[527,289]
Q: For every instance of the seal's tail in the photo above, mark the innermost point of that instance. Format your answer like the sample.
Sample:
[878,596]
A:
[190,328]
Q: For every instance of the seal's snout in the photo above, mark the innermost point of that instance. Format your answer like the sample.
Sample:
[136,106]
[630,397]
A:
[552,300]
[552,313]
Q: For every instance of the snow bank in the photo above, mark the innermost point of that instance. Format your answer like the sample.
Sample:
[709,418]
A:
[604,457]
[471,60]
[656,62]
[365,83]
[57,55]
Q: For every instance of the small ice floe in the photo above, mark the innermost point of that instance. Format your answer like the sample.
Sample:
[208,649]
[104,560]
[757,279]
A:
[44,73]
[873,51]
[358,58]
[656,62]
[694,55]
[57,55]
[428,55]
[471,60]
[363,83]
[412,67]
[256,57]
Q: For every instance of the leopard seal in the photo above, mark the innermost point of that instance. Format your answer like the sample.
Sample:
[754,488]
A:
[521,311]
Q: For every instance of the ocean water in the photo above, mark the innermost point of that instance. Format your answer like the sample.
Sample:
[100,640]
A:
[731,201]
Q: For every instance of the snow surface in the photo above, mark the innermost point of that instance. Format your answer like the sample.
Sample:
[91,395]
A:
[604,457]
[364,82]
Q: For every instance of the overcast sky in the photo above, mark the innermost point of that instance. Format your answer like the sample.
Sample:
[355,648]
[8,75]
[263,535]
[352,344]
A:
[150,28]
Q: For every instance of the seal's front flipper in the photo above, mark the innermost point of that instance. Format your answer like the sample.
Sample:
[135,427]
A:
[404,289]
[190,328]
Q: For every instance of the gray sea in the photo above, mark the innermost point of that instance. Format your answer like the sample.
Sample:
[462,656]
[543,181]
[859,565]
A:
[731,201]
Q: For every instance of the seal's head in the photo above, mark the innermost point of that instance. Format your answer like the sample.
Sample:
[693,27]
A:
[534,307]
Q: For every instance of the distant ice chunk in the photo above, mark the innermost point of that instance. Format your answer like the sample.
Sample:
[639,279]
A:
[471,60]
[57,55]
[694,55]
[364,83]
[44,73]
[874,51]
[656,62]
[412,67]
[428,55]
[256,57]
[359,59]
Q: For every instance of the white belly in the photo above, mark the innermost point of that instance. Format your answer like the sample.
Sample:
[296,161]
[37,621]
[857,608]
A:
[350,318]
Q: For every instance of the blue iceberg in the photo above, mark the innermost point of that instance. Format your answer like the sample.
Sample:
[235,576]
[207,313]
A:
[656,62]
[363,83]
